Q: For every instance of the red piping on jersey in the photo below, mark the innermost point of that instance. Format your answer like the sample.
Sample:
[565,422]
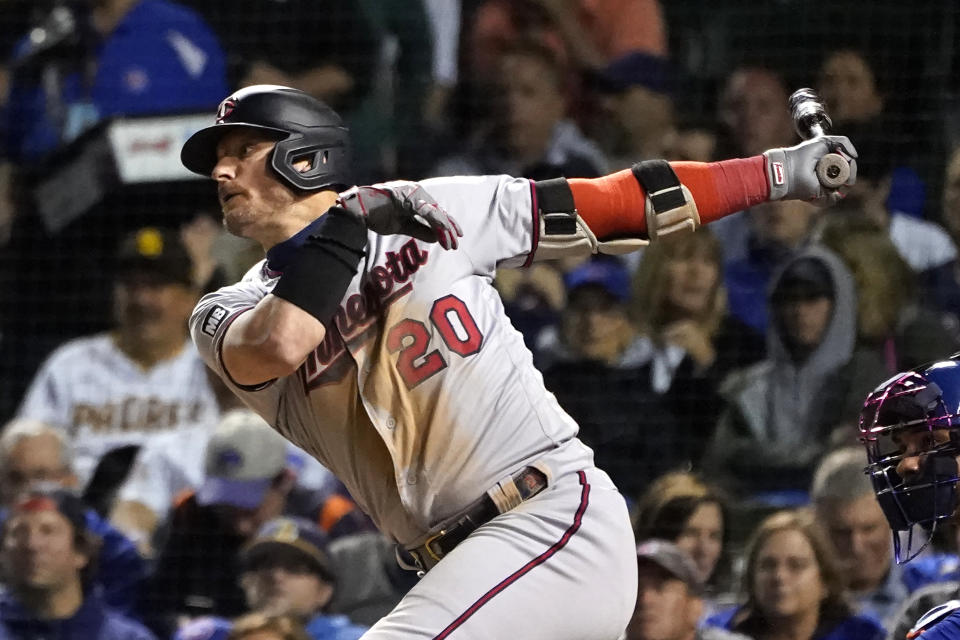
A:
[525,569]
[535,230]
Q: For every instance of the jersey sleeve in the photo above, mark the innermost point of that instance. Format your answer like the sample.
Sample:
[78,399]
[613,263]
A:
[209,323]
[497,215]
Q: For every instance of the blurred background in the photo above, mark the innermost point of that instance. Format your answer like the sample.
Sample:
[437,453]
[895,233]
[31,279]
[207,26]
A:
[737,357]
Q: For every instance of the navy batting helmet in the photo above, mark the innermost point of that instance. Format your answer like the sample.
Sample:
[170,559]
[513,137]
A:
[304,127]
[925,400]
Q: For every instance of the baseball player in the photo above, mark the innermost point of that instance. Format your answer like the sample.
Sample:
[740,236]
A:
[910,426]
[391,359]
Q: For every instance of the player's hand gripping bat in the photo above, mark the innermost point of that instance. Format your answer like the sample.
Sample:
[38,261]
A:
[810,120]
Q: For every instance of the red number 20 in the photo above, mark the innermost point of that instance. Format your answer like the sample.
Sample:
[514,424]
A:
[410,337]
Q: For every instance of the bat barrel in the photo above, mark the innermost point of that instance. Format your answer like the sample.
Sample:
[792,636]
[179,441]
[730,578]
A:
[810,119]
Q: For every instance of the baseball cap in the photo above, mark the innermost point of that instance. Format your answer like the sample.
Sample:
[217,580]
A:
[289,539]
[804,279]
[636,68]
[156,251]
[243,457]
[673,560]
[605,272]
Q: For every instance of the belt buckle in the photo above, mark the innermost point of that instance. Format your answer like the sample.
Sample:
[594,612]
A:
[435,555]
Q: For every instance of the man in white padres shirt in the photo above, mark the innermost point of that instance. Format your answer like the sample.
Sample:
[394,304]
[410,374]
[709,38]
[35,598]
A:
[391,360]
[143,379]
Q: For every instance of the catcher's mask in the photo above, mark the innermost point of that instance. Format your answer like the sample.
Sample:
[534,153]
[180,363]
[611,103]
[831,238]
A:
[923,406]
[304,128]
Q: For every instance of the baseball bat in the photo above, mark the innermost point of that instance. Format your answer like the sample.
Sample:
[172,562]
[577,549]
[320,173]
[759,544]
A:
[810,119]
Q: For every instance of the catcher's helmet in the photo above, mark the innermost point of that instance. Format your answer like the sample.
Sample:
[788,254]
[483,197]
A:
[923,400]
[304,127]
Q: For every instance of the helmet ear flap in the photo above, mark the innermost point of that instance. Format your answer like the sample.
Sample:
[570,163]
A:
[327,157]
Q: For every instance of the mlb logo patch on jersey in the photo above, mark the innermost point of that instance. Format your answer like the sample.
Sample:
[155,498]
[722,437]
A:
[213,319]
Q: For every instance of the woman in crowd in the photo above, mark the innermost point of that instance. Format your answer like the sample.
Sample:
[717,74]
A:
[691,342]
[683,509]
[793,587]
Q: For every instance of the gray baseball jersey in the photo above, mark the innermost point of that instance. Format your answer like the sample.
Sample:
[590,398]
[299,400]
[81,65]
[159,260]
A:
[422,396]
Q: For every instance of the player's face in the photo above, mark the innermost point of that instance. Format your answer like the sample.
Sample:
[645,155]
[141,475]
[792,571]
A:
[786,581]
[152,312]
[913,445]
[692,283]
[861,537]
[250,195]
[32,460]
[285,589]
[39,551]
[665,609]
[702,538]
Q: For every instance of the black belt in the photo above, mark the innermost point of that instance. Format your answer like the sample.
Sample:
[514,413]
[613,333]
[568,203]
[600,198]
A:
[529,482]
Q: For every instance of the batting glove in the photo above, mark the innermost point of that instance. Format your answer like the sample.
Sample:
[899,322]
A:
[403,208]
[792,171]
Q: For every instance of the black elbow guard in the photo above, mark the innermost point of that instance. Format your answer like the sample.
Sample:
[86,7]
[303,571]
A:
[320,272]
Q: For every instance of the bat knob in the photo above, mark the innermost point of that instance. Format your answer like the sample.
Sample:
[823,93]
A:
[833,171]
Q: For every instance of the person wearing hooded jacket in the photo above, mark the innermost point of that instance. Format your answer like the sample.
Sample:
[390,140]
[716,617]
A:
[774,426]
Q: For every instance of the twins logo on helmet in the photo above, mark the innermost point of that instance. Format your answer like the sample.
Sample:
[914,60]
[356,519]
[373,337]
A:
[226,108]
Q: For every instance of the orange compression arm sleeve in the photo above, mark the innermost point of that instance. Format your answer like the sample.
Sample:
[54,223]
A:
[613,205]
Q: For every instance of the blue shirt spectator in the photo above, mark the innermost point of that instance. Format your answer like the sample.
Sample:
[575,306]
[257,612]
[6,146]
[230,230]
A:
[49,552]
[32,454]
[121,570]
[92,621]
[160,57]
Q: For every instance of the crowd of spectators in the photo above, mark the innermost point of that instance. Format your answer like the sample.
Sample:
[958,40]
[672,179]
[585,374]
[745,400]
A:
[716,375]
